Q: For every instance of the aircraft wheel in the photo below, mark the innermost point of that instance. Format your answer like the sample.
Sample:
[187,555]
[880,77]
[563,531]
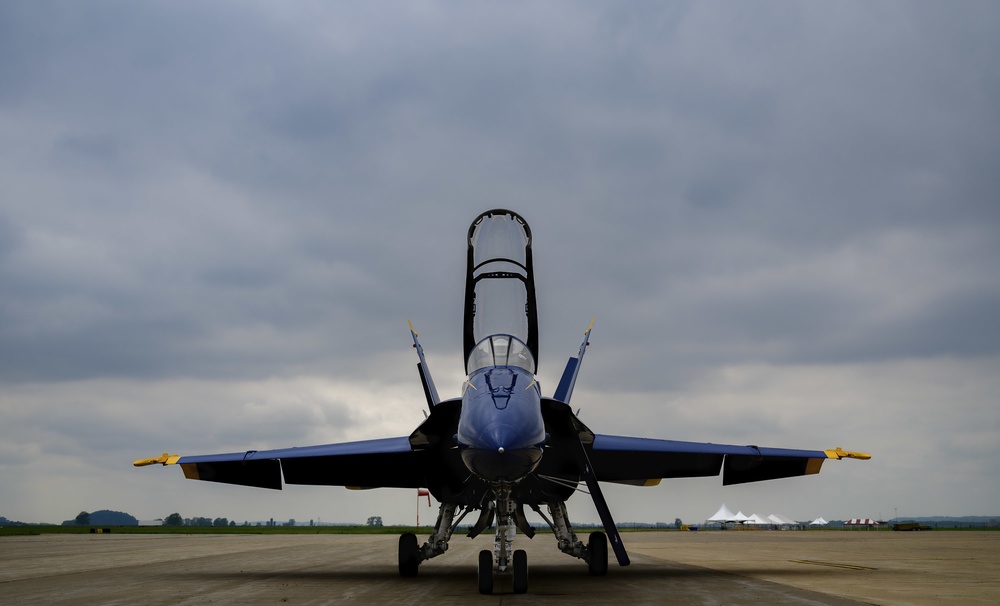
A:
[520,583]
[597,565]
[409,555]
[486,572]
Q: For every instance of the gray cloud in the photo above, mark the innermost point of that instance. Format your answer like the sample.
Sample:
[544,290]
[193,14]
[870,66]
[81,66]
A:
[240,193]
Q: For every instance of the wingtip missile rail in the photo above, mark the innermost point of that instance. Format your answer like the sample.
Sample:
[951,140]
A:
[164,459]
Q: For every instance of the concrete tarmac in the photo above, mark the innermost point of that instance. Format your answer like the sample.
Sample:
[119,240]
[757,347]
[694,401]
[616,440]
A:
[731,567]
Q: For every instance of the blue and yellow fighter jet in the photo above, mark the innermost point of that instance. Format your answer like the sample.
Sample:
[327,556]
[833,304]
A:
[503,446]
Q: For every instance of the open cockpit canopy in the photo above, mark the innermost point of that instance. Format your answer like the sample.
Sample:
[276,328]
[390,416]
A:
[500,287]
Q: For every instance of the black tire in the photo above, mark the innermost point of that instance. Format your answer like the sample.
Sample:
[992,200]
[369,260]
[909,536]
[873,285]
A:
[486,572]
[409,555]
[520,582]
[597,565]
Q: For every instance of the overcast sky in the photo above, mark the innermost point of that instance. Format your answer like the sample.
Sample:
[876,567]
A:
[216,218]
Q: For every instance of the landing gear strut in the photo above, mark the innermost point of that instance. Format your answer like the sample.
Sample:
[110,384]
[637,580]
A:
[410,555]
[595,553]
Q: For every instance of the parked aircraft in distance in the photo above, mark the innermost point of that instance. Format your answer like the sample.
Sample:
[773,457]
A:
[503,446]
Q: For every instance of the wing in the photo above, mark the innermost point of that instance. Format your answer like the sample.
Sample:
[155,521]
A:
[383,463]
[642,461]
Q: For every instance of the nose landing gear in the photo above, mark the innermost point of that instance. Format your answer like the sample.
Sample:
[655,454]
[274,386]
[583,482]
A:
[503,560]
[485,572]
[519,581]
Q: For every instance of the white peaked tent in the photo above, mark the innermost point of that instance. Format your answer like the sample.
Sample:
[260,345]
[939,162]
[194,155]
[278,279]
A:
[758,521]
[723,515]
[780,520]
[819,522]
[740,517]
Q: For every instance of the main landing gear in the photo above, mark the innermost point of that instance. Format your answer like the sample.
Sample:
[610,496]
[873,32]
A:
[595,553]
[409,555]
[503,559]
[597,562]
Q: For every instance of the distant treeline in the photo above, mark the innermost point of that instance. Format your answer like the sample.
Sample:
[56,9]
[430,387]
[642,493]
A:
[103,517]
[994,520]
[5,522]
[954,522]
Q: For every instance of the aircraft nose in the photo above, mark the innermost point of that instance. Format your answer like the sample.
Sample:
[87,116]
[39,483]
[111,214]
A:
[501,455]
[501,437]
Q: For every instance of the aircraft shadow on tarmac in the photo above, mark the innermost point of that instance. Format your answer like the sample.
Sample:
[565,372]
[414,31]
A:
[639,571]
[643,582]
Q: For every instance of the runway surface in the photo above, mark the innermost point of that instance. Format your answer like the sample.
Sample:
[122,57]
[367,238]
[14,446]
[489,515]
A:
[731,567]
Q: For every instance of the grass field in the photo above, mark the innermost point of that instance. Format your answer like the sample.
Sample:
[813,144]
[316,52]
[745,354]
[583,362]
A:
[8,531]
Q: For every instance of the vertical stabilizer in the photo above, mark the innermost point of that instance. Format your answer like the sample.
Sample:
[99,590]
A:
[430,392]
[567,382]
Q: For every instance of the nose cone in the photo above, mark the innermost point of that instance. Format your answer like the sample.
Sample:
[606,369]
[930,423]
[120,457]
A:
[502,455]
[501,437]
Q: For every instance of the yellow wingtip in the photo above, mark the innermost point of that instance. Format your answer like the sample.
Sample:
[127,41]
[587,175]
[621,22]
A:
[164,459]
[813,466]
[840,453]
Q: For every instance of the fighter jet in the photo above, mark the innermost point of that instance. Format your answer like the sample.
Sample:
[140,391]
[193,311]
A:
[502,446]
